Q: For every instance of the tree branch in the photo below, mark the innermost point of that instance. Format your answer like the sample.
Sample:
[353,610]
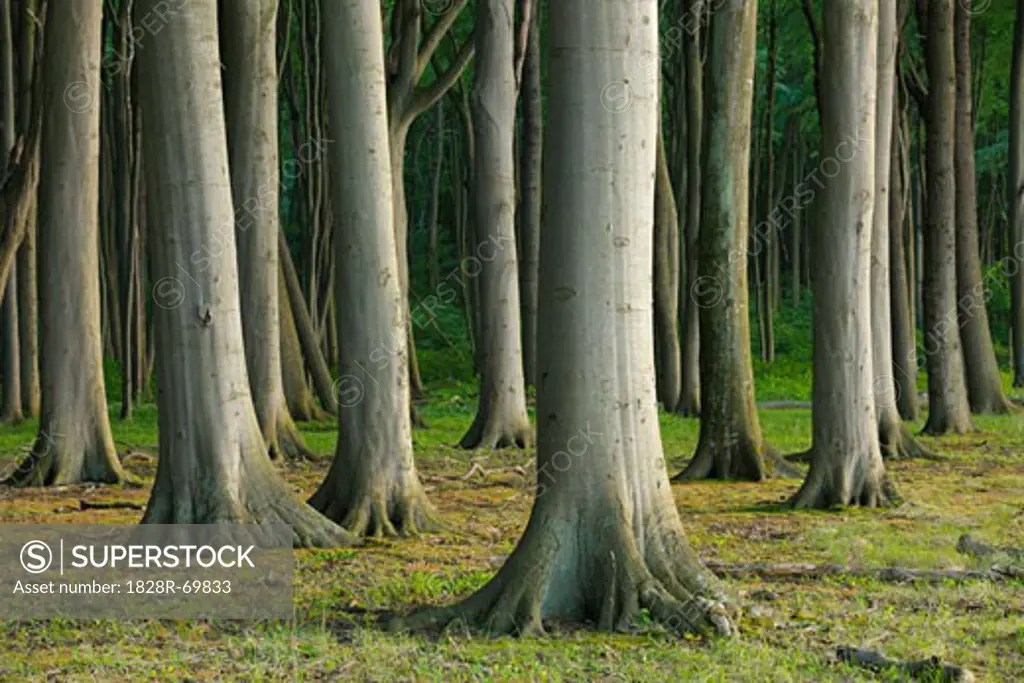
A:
[434,37]
[424,98]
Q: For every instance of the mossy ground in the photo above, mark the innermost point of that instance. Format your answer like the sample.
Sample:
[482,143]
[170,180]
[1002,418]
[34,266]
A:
[340,593]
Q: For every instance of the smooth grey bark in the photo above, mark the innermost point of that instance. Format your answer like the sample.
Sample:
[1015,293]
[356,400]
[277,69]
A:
[529,210]
[1015,194]
[689,395]
[666,283]
[604,539]
[248,38]
[730,444]
[74,443]
[984,383]
[846,462]
[948,407]
[302,404]
[213,465]
[501,420]
[28,312]
[894,439]
[10,354]
[372,487]
[315,362]
[904,339]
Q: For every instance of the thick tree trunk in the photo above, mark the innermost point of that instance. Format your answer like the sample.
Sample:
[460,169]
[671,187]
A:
[894,438]
[689,397]
[250,99]
[372,487]
[501,420]
[1015,194]
[904,340]
[948,408]
[213,464]
[984,383]
[528,211]
[666,283]
[730,445]
[74,442]
[846,462]
[604,539]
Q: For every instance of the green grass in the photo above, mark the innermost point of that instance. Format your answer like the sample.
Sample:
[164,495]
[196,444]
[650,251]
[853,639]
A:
[339,592]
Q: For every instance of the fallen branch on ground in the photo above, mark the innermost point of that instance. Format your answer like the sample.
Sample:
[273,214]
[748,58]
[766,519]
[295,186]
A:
[117,505]
[970,546]
[929,669]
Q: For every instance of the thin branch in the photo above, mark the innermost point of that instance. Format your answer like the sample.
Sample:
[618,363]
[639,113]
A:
[425,98]
[434,37]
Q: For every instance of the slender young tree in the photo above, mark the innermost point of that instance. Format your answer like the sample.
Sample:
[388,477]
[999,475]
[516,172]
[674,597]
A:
[730,445]
[604,539]
[948,407]
[689,396]
[895,440]
[501,420]
[528,211]
[666,283]
[248,37]
[10,352]
[984,383]
[846,462]
[213,464]
[1015,192]
[372,487]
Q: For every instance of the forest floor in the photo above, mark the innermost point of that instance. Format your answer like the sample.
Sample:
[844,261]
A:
[789,632]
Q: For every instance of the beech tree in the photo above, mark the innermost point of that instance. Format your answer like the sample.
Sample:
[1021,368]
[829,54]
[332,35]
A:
[501,419]
[730,444]
[248,37]
[1015,193]
[984,383]
[213,465]
[895,440]
[846,462]
[75,443]
[948,408]
[528,209]
[604,538]
[372,487]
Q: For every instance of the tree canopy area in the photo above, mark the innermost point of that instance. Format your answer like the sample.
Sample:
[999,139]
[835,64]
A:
[572,340]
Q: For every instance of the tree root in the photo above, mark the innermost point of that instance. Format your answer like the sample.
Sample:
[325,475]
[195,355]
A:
[830,485]
[378,511]
[907,447]
[515,600]
[742,460]
[289,444]
[43,467]
[804,570]
[930,669]
[489,433]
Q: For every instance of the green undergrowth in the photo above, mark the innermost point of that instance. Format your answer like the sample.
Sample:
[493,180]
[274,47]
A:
[789,629]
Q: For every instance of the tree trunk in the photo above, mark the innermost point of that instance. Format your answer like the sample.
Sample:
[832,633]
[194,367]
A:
[213,465]
[11,410]
[797,262]
[28,311]
[604,539]
[689,397]
[904,339]
[74,443]
[846,462]
[984,383]
[529,210]
[1015,194]
[948,409]
[666,283]
[433,260]
[303,324]
[894,439]
[501,419]
[372,487]
[766,251]
[301,402]
[250,98]
[730,445]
